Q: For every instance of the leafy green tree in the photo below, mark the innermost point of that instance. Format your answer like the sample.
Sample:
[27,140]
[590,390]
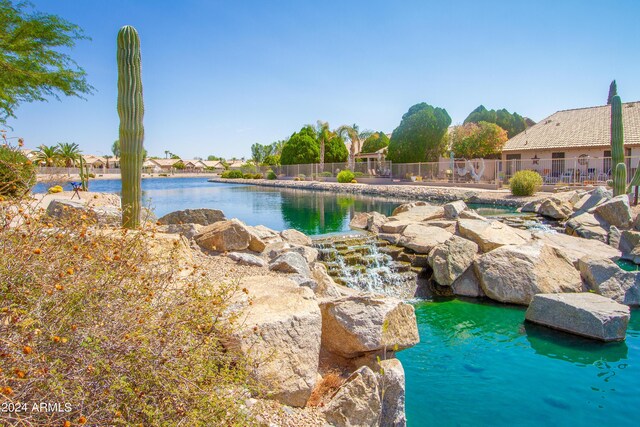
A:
[301,148]
[179,165]
[512,123]
[613,91]
[48,155]
[115,148]
[32,65]
[478,140]
[213,158]
[68,153]
[421,135]
[335,149]
[175,156]
[375,142]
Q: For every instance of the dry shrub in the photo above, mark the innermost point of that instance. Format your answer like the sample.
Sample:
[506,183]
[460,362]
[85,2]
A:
[325,389]
[112,332]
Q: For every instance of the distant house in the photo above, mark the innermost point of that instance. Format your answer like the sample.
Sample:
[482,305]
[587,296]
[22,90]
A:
[213,165]
[236,164]
[574,143]
[163,165]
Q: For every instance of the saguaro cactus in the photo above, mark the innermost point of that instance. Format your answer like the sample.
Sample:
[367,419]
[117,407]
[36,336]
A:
[619,181]
[131,112]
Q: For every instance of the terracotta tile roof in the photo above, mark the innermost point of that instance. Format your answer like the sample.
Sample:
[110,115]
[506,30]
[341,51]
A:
[579,128]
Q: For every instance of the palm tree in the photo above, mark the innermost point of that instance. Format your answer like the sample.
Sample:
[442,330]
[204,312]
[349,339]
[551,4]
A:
[107,157]
[166,154]
[324,135]
[353,134]
[69,153]
[49,155]
[115,148]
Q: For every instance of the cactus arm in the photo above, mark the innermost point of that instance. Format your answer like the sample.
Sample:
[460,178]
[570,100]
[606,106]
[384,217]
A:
[620,180]
[635,180]
[617,142]
[131,112]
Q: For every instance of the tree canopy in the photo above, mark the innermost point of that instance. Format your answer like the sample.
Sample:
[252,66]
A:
[301,148]
[512,123]
[375,142]
[31,66]
[478,140]
[421,135]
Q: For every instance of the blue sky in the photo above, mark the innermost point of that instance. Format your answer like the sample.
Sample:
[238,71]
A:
[221,75]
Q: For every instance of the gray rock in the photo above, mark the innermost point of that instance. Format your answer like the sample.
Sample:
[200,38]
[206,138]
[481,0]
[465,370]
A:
[310,254]
[452,258]
[452,210]
[614,237]
[514,274]
[247,259]
[615,211]
[630,245]
[491,235]
[105,215]
[273,250]
[468,285]
[422,238]
[532,206]
[187,230]
[588,226]
[359,221]
[470,214]
[593,199]
[391,381]
[295,237]
[304,281]
[193,216]
[556,208]
[577,247]
[375,221]
[357,402]
[586,314]
[607,279]
[290,262]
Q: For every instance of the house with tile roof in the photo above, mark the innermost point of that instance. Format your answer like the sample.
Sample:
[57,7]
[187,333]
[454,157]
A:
[574,142]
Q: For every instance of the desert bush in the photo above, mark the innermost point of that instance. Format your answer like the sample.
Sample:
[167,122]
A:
[109,322]
[345,176]
[271,175]
[232,174]
[17,172]
[326,174]
[247,176]
[525,183]
[257,176]
[302,176]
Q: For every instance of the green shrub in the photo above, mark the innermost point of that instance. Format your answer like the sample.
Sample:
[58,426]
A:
[271,175]
[302,177]
[17,173]
[247,176]
[232,174]
[345,176]
[525,183]
[92,175]
[257,176]
[326,174]
[163,174]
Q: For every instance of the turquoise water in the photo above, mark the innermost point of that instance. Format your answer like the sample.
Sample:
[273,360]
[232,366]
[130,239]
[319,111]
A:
[479,364]
[312,212]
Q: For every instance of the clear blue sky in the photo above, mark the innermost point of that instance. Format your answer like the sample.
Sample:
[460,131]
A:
[221,75]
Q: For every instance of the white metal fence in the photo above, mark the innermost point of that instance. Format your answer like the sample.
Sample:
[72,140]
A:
[565,171]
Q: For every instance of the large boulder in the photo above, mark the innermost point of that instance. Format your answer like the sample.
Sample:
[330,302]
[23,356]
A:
[607,279]
[452,210]
[295,237]
[471,214]
[104,215]
[359,221]
[375,221]
[418,212]
[395,227]
[422,238]
[630,245]
[355,325]
[193,216]
[586,314]
[290,262]
[616,211]
[556,208]
[514,274]
[280,331]
[589,201]
[325,287]
[452,258]
[308,253]
[489,235]
[223,236]
[588,226]
[468,285]
[391,380]
[577,247]
[357,402]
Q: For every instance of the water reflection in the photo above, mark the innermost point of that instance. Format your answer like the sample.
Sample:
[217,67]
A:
[572,348]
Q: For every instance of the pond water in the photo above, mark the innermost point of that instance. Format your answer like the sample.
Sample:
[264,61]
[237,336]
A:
[477,364]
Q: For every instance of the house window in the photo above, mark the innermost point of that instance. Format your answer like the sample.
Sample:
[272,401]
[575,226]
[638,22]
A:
[557,164]
[606,163]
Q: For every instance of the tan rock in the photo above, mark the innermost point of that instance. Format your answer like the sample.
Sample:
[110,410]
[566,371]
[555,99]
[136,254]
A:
[230,235]
[514,274]
[357,402]
[577,247]
[280,332]
[295,237]
[359,324]
[489,235]
[420,213]
[422,238]
[451,259]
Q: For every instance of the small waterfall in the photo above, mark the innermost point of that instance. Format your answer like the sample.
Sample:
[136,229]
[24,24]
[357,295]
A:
[365,263]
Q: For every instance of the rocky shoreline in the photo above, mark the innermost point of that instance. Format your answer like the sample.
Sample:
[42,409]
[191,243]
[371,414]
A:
[404,191]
